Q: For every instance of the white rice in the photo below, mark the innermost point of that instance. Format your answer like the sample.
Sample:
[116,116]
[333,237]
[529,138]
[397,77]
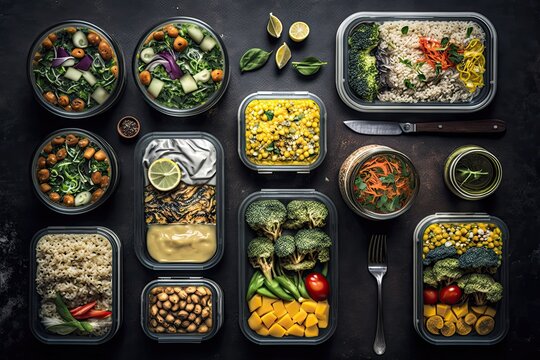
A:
[400,46]
[79,268]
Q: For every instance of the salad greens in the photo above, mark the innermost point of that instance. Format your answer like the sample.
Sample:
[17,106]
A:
[75,69]
[181,65]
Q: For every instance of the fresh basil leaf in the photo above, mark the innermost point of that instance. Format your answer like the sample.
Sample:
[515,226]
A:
[469,31]
[64,328]
[254,59]
[408,84]
[422,77]
[269,114]
[406,62]
[405,30]
[444,41]
[309,65]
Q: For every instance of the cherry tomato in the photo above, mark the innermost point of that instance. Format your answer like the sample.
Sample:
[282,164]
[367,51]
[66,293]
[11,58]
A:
[430,296]
[317,286]
[450,294]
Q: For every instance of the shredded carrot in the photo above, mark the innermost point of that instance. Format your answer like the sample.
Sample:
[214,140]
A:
[434,54]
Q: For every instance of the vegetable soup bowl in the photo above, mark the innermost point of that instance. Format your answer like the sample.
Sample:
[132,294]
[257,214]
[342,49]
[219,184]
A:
[74,171]
[181,67]
[76,69]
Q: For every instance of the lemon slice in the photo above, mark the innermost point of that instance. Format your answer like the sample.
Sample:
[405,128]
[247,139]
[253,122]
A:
[298,31]
[283,55]
[274,26]
[164,174]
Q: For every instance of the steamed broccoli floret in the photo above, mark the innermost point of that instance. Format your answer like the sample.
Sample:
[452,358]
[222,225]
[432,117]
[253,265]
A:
[305,213]
[439,253]
[482,286]
[266,217]
[429,277]
[479,258]
[447,270]
[324,255]
[302,251]
[363,73]
[310,242]
[260,252]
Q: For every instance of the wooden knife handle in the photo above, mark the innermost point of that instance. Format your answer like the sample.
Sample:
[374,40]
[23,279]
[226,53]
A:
[472,126]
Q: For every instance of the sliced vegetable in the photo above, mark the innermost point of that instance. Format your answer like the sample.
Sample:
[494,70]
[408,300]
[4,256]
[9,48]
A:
[73,74]
[85,63]
[155,87]
[202,76]
[100,95]
[62,58]
[195,33]
[79,40]
[147,55]
[83,198]
[83,309]
[89,77]
[208,43]
[93,313]
[188,83]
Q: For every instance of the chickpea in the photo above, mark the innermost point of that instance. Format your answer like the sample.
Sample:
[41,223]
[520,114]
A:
[191,328]
[71,30]
[105,51]
[48,148]
[45,187]
[93,38]
[63,100]
[145,77]
[68,108]
[58,140]
[77,53]
[160,329]
[114,71]
[158,35]
[47,44]
[202,329]
[72,140]
[77,104]
[191,289]
[68,200]
[88,153]
[162,296]
[169,318]
[61,154]
[54,196]
[180,44]
[96,177]
[183,314]
[52,37]
[41,162]
[208,322]
[172,31]
[100,155]
[51,159]
[97,195]
[154,310]
[43,175]
[37,56]
[84,142]
[50,97]
[201,291]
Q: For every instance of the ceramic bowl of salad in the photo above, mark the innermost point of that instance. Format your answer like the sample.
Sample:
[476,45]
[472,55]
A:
[378,182]
[76,69]
[74,171]
[181,67]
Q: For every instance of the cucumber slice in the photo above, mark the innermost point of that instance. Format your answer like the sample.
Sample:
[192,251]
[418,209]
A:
[73,74]
[208,43]
[155,87]
[79,40]
[83,198]
[188,83]
[88,76]
[147,55]
[100,95]
[202,76]
[195,33]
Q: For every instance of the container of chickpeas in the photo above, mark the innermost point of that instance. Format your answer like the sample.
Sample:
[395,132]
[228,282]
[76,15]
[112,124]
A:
[181,310]
[282,131]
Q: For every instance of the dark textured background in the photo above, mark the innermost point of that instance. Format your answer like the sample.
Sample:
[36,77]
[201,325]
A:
[24,124]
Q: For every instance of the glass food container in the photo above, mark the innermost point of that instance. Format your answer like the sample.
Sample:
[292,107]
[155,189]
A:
[191,66]
[478,102]
[348,174]
[113,178]
[36,325]
[501,318]
[195,206]
[113,72]
[245,270]
[177,285]
[472,173]
[269,168]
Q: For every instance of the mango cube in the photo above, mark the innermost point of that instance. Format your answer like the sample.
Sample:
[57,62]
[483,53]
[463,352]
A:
[323,323]
[255,322]
[296,330]
[268,319]
[450,317]
[286,321]
[311,320]
[322,309]
[292,307]
[277,331]
[461,310]
[266,306]
[429,310]
[300,316]
[442,309]
[263,331]
[490,311]
[255,302]
[312,331]
[309,306]
[279,309]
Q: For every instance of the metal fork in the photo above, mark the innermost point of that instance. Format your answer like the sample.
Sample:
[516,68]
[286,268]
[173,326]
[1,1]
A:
[377,267]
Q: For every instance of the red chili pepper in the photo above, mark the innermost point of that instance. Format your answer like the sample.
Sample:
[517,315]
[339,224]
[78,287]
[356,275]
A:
[80,310]
[98,314]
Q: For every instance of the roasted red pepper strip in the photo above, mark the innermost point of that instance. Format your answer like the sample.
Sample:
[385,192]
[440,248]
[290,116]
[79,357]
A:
[80,310]
[98,314]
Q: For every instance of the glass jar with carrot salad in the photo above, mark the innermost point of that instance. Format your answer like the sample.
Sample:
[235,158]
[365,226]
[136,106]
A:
[378,182]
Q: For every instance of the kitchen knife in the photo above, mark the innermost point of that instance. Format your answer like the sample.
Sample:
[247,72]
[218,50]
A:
[392,128]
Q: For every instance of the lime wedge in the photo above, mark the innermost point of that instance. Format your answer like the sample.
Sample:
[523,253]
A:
[298,31]
[283,55]
[164,174]
[274,26]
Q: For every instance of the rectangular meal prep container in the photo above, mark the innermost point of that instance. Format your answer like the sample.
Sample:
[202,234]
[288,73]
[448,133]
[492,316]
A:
[273,95]
[140,223]
[245,270]
[480,101]
[217,309]
[502,321]
[37,327]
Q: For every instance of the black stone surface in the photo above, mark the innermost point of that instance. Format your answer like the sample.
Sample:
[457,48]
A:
[24,124]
